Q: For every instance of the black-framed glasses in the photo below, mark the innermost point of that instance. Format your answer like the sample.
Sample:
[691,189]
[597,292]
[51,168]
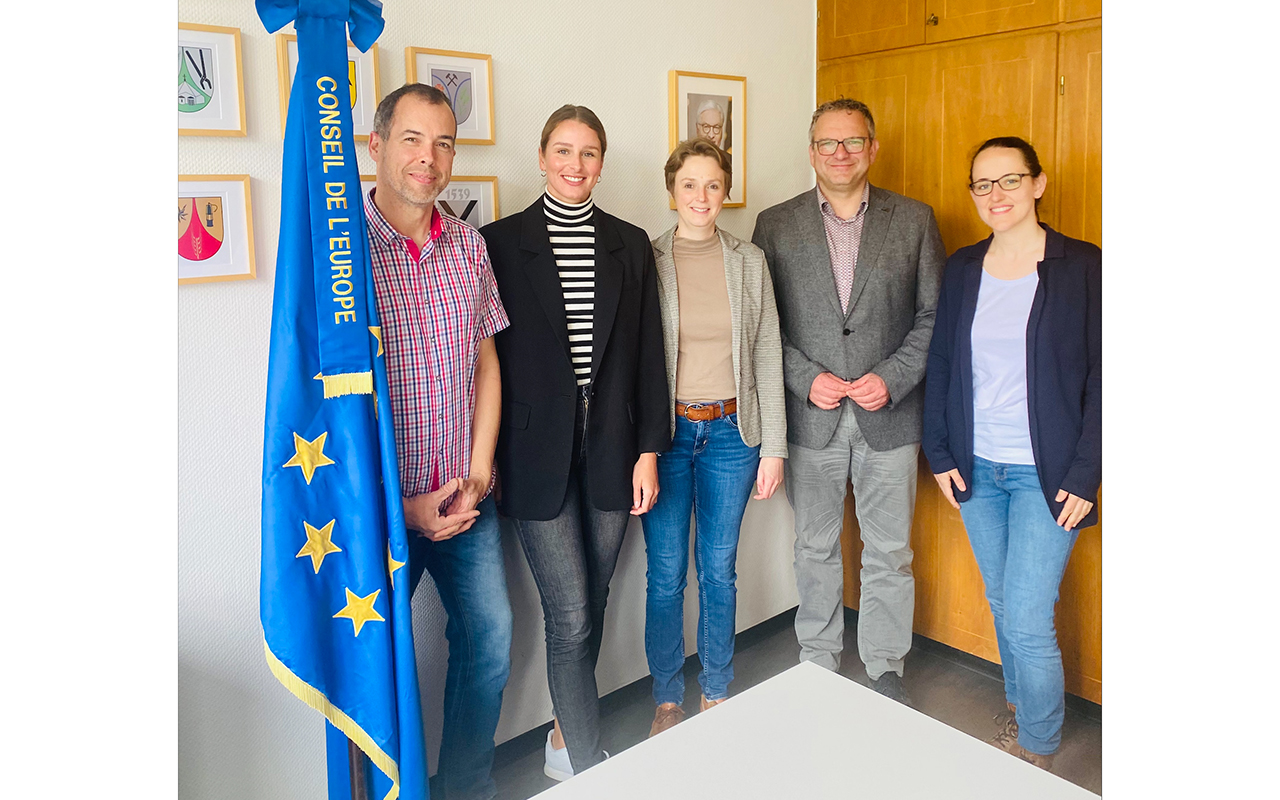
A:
[1007,182]
[852,145]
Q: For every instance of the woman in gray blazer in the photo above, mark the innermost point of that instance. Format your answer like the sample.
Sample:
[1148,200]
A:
[729,429]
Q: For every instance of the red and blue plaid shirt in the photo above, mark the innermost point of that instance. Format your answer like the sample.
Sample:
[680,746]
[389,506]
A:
[435,306]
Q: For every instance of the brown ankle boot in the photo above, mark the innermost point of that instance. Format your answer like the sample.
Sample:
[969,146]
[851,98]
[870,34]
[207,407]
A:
[667,715]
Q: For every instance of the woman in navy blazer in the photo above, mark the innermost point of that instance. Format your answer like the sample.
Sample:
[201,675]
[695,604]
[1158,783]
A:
[1013,422]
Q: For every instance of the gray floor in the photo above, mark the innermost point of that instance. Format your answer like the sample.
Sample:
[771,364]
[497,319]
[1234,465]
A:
[950,686]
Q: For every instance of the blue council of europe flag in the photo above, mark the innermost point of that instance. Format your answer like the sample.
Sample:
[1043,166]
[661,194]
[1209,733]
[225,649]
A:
[334,594]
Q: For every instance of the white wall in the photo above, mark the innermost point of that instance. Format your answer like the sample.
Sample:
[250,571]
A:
[242,735]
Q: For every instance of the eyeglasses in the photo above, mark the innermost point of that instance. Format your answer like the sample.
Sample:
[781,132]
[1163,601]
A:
[711,129]
[1007,182]
[852,146]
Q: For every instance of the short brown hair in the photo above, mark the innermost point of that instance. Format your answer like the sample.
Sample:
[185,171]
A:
[697,147]
[387,108]
[843,104]
[568,112]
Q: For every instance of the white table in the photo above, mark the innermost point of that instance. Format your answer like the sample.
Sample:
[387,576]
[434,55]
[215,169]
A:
[808,734]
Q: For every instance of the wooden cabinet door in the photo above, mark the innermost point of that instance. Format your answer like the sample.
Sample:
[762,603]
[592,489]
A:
[892,86]
[1073,10]
[850,27]
[1079,169]
[960,19]
[1002,87]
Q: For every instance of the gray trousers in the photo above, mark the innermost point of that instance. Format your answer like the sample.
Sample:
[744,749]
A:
[884,491]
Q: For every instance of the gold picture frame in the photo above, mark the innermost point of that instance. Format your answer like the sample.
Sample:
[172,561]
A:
[362,110]
[694,94]
[473,128]
[227,220]
[226,68]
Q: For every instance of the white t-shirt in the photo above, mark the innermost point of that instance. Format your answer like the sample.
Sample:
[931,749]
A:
[1001,427]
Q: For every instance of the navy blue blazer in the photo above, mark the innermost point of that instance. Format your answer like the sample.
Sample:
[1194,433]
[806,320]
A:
[1064,370]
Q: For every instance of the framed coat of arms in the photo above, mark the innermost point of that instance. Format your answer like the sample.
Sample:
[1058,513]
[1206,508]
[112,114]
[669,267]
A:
[362,80]
[466,79]
[210,81]
[215,229]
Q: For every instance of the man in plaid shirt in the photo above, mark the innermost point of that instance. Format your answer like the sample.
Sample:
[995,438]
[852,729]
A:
[439,308]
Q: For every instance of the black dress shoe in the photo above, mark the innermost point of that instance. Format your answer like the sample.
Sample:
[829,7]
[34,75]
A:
[890,685]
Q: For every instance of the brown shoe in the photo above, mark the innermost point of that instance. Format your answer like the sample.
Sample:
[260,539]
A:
[704,703]
[1007,740]
[1043,762]
[668,715]
[1007,725]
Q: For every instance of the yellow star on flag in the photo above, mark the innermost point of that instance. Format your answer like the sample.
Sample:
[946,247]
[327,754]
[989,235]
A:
[319,544]
[360,610]
[376,330]
[319,376]
[392,565]
[309,455]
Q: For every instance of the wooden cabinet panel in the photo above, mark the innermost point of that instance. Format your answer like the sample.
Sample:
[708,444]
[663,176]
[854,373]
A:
[887,85]
[1074,10]
[1001,87]
[960,19]
[1079,168]
[850,27]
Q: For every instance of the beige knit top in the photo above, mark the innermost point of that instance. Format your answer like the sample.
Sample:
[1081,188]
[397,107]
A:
[704,367]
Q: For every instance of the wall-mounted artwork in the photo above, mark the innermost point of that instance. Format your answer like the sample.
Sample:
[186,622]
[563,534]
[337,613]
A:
[466,79]
[471,198]
[362,79]
[210,81]
[215,228]
[712,107]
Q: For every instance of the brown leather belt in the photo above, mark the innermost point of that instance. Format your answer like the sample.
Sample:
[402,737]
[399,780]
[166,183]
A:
[703,412]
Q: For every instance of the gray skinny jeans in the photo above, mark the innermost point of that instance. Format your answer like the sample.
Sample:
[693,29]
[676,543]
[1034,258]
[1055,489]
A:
[572,558]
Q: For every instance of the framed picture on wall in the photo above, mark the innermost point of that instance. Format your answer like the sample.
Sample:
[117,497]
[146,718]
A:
[712,107]
[215,228]
[467,80]
[210,81]
[470,198]
[362,79]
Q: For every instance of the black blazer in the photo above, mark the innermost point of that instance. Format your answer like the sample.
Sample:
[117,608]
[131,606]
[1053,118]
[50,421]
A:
[628,412]
[1064,370]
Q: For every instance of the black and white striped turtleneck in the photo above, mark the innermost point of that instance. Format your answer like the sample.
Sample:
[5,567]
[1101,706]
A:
[573,243]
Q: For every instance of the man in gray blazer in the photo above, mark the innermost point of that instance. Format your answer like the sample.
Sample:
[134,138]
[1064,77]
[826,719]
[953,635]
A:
[856,272]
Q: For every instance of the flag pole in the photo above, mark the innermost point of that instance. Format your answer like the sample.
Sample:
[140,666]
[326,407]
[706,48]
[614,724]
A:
[355,761]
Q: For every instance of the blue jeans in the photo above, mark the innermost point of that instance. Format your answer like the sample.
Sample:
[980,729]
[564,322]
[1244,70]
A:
[468,573]
[1022,554]
[708,472]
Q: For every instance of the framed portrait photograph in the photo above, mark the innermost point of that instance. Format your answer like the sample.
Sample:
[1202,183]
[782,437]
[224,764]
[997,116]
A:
[215,228]
[362,78]
[712,107]
[466,79]
[470,198]
[210,81]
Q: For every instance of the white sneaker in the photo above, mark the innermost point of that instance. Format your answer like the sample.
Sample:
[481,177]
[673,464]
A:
[557,766]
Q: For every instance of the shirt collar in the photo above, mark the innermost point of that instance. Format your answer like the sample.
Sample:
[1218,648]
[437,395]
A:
[379,225]
[825,205]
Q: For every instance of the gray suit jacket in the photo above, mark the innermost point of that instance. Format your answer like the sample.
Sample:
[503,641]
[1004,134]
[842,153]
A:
[757,350]
[889,322]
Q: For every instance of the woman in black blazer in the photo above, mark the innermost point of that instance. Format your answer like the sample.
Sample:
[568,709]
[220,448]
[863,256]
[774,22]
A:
[584,408]
[1013,422]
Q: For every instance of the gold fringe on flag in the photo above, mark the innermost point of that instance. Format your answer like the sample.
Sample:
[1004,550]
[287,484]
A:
[314,698]
[348,383]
